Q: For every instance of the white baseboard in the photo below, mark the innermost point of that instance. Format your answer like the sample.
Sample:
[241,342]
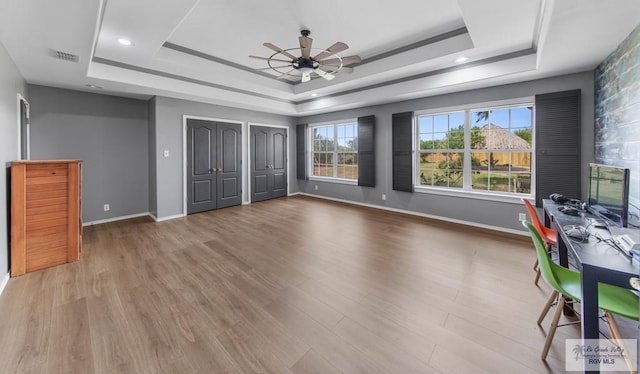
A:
[440,218]
[167,217]
[4,282]
[116,219]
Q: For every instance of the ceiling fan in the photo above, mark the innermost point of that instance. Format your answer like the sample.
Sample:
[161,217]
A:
[325,63]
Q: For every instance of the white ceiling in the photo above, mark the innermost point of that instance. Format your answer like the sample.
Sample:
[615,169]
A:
[198,49]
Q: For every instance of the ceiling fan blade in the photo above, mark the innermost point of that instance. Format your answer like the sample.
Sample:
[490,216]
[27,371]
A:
[280,50]
[324,74]
[305,46]
[336,48]
[277,67]
[306,76]
[286,74]
[355,59]
[269,59]
[344,69]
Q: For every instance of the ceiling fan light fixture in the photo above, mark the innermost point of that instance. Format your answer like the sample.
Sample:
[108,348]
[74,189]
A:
[327,59]
[305,70]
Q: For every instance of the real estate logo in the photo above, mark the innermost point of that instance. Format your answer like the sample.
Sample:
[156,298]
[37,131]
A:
[601,354]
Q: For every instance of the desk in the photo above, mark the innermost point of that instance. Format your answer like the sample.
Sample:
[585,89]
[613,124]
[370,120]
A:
[597,261]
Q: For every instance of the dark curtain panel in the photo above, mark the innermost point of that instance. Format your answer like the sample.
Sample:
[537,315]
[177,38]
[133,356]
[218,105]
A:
[366,151]
[558,125]
[402,124]
[301,152]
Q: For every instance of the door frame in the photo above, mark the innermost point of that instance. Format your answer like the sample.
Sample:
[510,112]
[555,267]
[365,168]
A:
[249,154]
[24,131]
[186,117]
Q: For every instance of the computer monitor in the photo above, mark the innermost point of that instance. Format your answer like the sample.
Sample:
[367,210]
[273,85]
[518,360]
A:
[609,193]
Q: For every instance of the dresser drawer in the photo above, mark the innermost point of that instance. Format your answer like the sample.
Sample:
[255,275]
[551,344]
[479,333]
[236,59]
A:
[47,170]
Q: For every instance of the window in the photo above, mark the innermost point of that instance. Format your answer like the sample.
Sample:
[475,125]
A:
[477,149]
[335,150]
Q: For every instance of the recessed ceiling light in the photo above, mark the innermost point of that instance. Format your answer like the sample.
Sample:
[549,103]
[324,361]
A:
[314,95]
[461,59]
[94,86]
[124,41]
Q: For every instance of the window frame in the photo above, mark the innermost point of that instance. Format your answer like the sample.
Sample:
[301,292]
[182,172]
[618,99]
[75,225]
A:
[310,145]
[466,190]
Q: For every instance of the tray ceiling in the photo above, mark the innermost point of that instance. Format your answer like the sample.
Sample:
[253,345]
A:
[198,49]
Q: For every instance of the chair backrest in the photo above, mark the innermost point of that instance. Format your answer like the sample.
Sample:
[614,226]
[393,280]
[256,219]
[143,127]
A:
[544,262]
[533,215]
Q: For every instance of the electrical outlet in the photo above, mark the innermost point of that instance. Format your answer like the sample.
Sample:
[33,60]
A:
[522,217]
[106,207]
[384,197]
[316,187]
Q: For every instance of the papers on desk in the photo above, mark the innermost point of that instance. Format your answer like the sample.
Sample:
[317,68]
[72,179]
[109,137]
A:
[625,243]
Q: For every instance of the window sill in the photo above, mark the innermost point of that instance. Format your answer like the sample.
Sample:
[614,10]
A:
[353,182]
[479,195]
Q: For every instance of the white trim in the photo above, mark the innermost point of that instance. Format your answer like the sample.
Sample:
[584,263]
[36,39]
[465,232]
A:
[28,129]
[248,163]
[439,218]
[4,282]
[185,117]
[167,217]
[352,182]
[310,144]
[246,166]
[467,190]
[334,123]
[472,194]
[496,104]
[120,218]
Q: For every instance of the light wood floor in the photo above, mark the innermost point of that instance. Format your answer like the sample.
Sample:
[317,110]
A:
[293,285]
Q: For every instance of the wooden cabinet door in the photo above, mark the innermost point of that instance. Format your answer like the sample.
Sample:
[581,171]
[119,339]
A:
[45,211]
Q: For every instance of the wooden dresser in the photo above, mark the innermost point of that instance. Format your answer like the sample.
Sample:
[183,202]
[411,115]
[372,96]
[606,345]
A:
[46,214]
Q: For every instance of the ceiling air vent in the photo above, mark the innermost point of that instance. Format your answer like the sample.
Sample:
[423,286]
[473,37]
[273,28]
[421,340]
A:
[64,56]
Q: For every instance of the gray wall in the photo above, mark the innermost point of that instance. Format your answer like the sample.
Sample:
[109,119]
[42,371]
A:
[168,129]
[108,133]
[11,84]
[484,212]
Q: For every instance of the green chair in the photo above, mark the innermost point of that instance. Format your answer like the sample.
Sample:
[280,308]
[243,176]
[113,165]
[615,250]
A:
[566,286]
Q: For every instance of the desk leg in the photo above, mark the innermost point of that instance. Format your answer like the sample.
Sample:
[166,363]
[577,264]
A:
[563,259]
[547,219]
[590,328]
[563,254]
